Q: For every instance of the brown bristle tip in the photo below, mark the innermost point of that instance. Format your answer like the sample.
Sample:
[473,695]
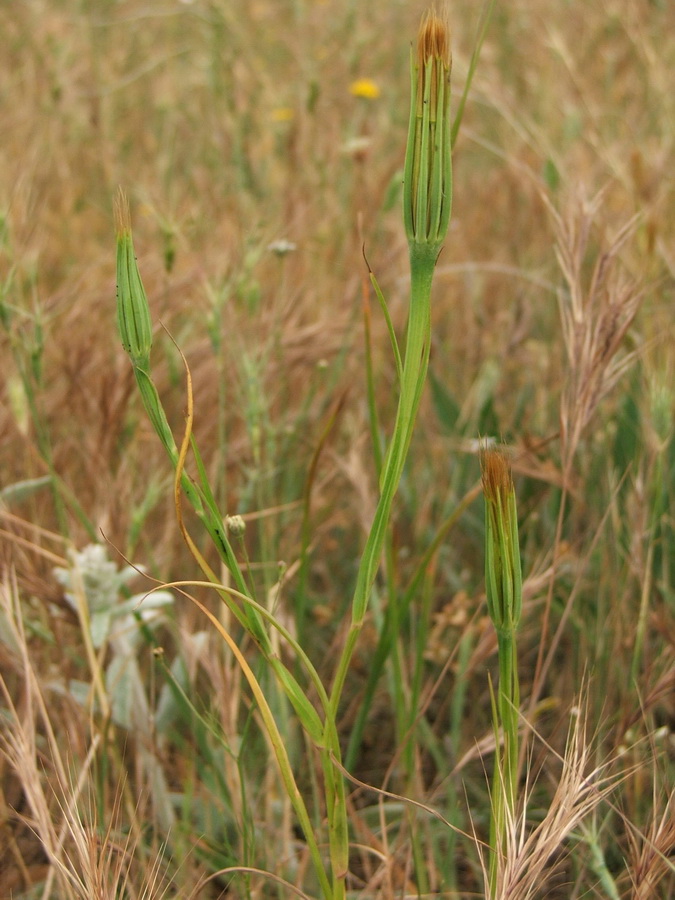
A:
[434,38]
[496,473]
[121,212]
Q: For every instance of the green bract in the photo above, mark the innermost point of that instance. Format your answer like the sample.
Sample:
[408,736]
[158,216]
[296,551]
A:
[427,183]
[502,555]
[133,312]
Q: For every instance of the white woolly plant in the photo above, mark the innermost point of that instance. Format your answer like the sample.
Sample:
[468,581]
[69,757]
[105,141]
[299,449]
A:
[93,587]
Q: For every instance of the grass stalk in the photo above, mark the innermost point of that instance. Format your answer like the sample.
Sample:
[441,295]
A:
[281,755]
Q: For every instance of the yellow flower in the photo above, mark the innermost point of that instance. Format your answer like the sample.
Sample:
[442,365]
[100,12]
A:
[364,87]
[283,114]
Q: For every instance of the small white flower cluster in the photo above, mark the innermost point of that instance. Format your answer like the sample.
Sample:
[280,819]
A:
[282,247]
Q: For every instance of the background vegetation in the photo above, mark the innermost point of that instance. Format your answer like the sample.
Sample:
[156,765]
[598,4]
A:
[261,144]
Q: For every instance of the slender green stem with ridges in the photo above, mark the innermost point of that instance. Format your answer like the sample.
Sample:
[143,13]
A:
[422,260]
[414,374]
[503,580]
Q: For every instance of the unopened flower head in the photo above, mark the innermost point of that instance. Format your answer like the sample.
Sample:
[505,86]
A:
[236,525]
[503,575]
[427,186]
[133,312]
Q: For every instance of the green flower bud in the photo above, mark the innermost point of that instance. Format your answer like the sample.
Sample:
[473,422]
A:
[427,180]
[133,312]
[503,577]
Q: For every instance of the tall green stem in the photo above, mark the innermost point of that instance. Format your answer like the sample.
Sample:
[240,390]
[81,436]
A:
[414,374]
[427,198]
[503,580]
